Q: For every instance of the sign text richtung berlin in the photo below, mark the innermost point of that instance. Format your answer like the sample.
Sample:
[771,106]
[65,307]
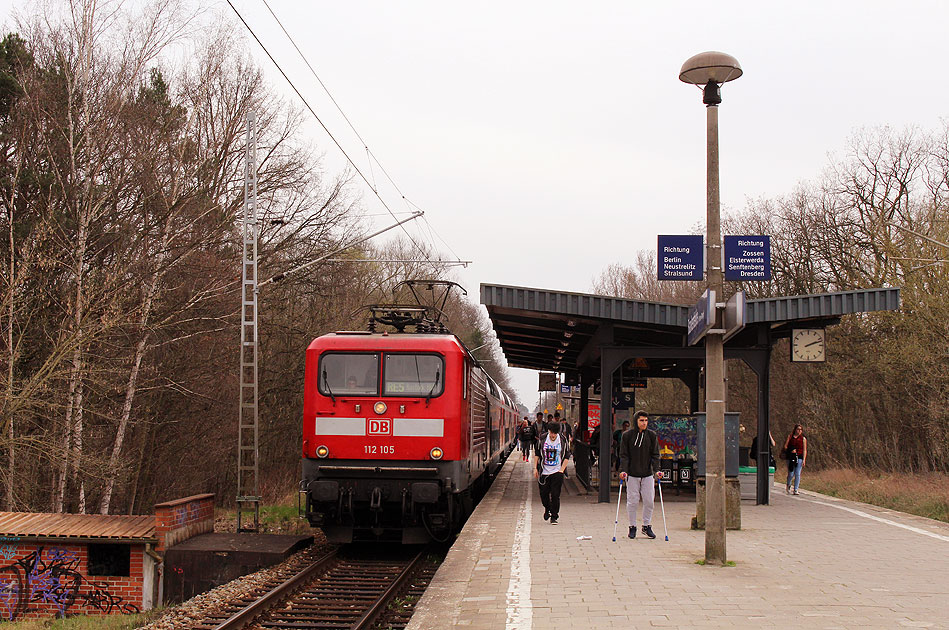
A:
[680,257]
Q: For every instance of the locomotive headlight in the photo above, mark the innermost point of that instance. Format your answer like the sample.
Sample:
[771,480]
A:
[379,408]
[322,452]
[436,453]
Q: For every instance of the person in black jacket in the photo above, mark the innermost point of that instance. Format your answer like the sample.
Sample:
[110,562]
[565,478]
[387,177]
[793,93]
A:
[639,464]
[540,427]
[527,438]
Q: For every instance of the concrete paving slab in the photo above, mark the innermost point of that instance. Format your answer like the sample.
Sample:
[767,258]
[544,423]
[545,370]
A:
[807,561]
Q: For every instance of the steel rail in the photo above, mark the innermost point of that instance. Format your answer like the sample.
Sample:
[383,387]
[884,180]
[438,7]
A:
[264,603]
[369,617]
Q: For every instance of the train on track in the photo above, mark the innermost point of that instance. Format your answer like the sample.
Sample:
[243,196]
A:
[402,431]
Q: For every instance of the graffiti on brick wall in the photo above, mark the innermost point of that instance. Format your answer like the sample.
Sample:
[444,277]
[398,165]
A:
[186,514]
[52,577]
[180,516]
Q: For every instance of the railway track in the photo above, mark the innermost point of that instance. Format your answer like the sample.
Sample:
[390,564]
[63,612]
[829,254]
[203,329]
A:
[342,589]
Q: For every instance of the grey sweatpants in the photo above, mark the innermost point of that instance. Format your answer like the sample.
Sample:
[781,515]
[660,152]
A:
[640,488]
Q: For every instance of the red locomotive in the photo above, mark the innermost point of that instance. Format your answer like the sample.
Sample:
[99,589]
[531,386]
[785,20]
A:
[401,434]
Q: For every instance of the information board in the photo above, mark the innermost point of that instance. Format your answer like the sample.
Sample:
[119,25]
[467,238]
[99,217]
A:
[747,257]
[680,257]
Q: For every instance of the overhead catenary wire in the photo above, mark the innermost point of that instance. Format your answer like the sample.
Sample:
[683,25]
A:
[920,235]
[321,123]
[283,274]
[432,228]
[447,263]
[370,156]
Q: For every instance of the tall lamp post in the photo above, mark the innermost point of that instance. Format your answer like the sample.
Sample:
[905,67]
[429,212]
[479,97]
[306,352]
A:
[709,70]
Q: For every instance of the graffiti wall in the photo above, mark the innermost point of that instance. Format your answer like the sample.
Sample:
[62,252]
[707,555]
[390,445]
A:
[42,580]
[676,433]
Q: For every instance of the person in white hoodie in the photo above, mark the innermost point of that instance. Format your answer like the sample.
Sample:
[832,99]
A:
[639,465]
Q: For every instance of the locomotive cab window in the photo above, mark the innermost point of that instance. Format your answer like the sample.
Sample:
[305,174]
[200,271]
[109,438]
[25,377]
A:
[413,375]
[349,374]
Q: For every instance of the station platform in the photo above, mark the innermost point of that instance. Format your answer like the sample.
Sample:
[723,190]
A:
[807,561]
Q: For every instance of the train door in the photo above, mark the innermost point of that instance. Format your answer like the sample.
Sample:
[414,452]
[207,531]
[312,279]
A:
[494,428]
[488,414]
[480,414]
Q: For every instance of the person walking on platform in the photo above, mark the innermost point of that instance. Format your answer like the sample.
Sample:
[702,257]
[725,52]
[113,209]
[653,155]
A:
[527,438]
[550,462]
[540,427]
[565,430]
[795,449]
[639,465]
[617,437]
[595,445]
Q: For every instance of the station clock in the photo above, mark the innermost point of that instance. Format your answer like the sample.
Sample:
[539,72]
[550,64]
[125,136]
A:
[807,345]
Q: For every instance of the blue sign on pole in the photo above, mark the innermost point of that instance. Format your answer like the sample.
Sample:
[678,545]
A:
[747,257]
[625,400]
[680,257]
[701,317]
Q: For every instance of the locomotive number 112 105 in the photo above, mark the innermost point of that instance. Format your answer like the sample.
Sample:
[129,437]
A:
[372,449]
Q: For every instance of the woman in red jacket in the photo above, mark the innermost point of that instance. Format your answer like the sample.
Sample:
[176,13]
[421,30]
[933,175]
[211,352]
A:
[795,448]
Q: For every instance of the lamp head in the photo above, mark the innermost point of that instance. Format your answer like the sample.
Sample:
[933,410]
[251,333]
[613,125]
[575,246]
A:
[714,67]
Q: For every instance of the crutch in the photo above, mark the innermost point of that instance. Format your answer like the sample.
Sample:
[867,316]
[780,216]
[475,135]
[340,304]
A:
[663,508]
[616,522]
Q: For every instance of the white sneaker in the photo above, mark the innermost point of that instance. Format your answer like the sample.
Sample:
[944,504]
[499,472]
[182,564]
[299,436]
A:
[787,489]
[796,492]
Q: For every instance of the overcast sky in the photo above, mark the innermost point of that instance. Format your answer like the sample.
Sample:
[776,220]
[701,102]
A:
[546,140]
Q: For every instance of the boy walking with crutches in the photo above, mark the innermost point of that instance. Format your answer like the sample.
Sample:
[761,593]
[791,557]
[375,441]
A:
[639,467]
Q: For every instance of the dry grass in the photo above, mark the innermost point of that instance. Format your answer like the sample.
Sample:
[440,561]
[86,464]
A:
[103,622]
[923,494]
[274,519]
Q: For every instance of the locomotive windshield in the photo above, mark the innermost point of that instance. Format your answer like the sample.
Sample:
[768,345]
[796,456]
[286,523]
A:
[349,374]
[414,375]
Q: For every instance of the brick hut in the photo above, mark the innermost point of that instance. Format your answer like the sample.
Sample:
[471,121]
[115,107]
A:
[73,564]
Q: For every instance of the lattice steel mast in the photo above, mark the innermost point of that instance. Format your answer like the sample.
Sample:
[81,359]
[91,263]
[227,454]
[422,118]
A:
[248,484]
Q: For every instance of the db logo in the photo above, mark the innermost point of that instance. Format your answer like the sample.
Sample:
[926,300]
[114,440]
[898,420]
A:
[380,426]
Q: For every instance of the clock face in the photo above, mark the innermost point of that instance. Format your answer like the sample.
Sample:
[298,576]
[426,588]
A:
[807,344]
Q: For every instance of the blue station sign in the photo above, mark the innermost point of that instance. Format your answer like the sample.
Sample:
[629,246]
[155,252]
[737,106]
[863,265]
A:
[680,257]
[747,257]
[701,317]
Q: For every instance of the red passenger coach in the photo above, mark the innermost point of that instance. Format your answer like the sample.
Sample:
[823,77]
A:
[401,433]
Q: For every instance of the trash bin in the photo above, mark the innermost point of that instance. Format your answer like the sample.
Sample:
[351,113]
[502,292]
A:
[748,480]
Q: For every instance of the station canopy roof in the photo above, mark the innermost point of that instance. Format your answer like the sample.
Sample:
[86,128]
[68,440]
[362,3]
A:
[560,331]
